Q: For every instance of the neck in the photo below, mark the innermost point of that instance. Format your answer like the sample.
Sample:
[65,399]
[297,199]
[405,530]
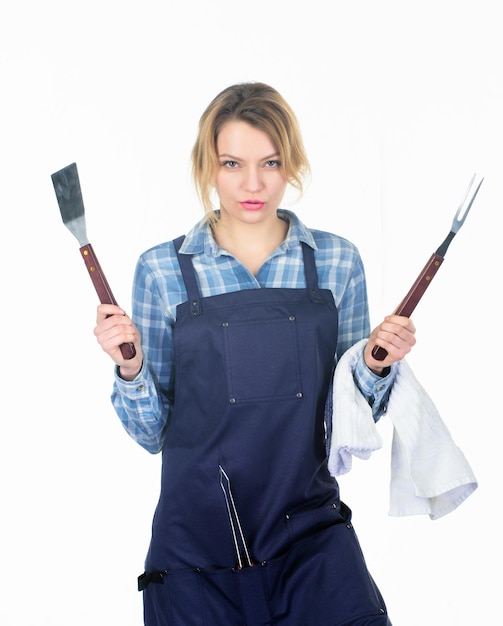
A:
[251,243]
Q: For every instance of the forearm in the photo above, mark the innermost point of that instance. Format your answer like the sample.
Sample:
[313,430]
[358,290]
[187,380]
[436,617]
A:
[142,408]
[375,389]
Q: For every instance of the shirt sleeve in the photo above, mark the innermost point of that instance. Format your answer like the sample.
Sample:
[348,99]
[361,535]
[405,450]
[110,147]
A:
[144,405]
[374,388]
[351,300]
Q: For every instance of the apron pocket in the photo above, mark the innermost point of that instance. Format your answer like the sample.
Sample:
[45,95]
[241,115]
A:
[198,597]
[323,581]
[176,601]
[304,523]
[262,360]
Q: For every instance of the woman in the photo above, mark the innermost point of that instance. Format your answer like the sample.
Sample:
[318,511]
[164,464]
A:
[237,329]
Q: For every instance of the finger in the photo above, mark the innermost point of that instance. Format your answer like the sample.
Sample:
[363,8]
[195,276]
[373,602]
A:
[115,325]
[403,327]
[112,338]
[400,320]
[397,344]
[106,310]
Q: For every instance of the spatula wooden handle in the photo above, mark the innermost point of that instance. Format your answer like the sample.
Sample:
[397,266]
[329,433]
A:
[408,304]
[103,289]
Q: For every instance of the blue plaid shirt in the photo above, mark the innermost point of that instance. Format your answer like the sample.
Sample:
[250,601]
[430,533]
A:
[144,405]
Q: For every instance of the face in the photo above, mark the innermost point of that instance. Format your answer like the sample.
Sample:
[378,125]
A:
[249,180]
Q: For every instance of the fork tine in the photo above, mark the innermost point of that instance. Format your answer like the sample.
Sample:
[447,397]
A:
[464,208]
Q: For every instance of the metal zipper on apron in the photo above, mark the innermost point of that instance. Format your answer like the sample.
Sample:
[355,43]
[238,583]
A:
[235,522]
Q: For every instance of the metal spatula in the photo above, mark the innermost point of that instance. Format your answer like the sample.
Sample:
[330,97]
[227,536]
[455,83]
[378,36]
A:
[67,187]
[408,304]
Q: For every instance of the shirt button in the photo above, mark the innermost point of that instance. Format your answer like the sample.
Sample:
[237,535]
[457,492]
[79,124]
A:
[140,388]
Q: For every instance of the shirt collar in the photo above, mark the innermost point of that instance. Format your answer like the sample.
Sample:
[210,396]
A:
[200,239]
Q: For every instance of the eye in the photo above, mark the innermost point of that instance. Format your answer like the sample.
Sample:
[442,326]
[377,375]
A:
[273,163]
[230,164]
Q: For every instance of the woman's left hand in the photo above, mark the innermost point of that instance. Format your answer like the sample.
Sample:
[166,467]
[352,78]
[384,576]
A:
[396,335]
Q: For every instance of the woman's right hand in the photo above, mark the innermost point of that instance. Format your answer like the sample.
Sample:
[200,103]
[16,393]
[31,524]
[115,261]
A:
[113,328]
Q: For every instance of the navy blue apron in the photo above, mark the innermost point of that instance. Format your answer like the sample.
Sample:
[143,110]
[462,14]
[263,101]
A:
[249,528]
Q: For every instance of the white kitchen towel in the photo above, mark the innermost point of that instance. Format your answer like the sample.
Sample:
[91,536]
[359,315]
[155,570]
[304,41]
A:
[429,473]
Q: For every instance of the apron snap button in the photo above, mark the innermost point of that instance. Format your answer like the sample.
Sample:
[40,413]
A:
[232,400]
[299,394]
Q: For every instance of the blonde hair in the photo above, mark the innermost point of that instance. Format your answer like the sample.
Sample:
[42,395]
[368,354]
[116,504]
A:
[262,107]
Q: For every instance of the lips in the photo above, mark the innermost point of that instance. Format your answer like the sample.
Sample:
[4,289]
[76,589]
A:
[252,204]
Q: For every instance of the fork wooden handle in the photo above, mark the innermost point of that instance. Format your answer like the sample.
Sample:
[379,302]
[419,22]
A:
[408,304]
[103,289]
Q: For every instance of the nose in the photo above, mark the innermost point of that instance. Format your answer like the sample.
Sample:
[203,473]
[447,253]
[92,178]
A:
[253,179]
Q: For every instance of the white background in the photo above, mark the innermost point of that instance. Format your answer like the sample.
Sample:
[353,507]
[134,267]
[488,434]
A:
[400,103]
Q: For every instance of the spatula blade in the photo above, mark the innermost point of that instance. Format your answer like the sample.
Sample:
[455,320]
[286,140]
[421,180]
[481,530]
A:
[71,204]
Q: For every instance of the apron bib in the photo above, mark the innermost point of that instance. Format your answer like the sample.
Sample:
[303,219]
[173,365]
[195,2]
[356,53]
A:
[249,527]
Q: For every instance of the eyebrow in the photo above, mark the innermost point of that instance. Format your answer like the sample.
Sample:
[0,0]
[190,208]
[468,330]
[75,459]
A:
[236,158]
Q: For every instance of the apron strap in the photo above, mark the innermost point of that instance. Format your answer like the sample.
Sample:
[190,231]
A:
[310,272]
[189,277]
